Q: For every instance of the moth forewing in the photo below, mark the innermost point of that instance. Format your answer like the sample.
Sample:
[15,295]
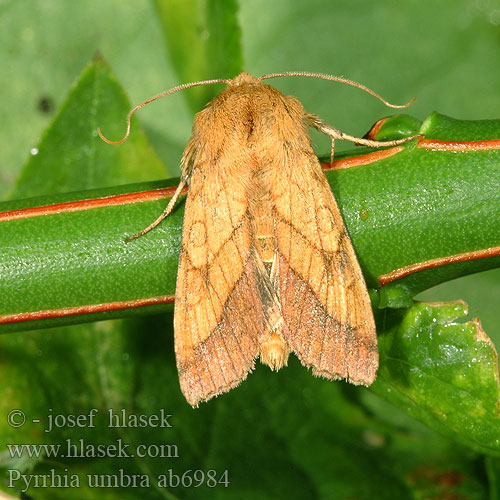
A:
[323,296]
[218,314]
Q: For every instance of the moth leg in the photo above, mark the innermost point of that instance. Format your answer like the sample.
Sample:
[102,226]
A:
[164,214]
[316,122]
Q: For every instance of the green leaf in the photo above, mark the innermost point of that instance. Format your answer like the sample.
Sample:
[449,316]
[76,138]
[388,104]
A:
[72,157]
[442,371]
[208,46]
[310,437]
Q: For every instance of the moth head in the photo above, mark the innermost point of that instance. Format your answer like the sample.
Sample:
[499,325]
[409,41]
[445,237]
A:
[244,78]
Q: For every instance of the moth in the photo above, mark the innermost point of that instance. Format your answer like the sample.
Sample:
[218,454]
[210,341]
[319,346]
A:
[266,265]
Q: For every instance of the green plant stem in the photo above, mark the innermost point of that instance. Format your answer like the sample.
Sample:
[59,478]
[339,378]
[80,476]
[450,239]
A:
[414,206]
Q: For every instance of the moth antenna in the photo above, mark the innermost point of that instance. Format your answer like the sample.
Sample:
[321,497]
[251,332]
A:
[154,98]
[341,80]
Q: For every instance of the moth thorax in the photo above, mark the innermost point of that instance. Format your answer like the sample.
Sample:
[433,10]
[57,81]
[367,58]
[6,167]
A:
[274,352]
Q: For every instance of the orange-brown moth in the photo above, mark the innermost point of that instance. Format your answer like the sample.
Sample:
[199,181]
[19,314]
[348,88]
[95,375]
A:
[266,265]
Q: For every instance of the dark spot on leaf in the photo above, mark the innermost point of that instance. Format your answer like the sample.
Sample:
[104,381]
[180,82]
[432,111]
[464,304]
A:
[45,105]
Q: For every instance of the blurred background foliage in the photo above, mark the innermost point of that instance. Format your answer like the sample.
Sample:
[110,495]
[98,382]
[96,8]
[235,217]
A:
[354,445]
